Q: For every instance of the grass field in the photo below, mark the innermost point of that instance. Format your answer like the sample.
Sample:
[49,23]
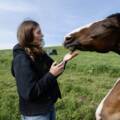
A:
[85,81]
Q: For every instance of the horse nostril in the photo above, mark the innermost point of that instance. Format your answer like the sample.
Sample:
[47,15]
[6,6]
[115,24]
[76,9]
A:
[68,38]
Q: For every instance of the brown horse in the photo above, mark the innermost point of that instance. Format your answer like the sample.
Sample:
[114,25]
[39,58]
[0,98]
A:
[101,36]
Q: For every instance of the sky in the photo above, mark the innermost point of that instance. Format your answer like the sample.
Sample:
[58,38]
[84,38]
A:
[56,17]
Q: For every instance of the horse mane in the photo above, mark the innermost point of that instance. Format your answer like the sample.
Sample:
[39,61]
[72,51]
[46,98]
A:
[116,15]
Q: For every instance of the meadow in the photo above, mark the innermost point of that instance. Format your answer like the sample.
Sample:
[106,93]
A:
[85,81]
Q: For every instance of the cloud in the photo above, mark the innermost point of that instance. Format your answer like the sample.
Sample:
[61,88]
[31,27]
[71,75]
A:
[8,39]
[16,7]
[6,32]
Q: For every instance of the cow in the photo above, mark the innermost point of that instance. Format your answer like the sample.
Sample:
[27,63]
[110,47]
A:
[52,52]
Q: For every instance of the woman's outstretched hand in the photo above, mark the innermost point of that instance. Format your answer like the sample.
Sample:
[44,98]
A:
[70,55]
[57,69]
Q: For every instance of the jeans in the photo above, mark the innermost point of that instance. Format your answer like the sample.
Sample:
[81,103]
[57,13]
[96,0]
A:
[50,116]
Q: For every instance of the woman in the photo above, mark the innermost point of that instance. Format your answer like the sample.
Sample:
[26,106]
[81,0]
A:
[35,74]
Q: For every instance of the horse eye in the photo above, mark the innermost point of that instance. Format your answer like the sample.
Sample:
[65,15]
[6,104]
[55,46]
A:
[106,26]
[68,38]
[111,27]
[94,36]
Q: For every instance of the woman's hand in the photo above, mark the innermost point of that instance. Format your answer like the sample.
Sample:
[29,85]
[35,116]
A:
[57,69]
[69,56]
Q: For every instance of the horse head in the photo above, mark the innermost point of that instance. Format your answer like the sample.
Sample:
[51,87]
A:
[101,36]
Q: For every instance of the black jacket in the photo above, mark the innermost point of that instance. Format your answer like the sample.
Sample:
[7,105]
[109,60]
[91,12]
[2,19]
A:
[37,88]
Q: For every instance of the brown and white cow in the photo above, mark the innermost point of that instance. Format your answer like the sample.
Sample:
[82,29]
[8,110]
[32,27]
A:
[101,36]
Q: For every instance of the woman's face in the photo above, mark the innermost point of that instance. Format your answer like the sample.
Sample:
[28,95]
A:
[38,36]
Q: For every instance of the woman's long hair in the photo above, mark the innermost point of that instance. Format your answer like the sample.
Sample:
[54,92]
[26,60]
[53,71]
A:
[25,38]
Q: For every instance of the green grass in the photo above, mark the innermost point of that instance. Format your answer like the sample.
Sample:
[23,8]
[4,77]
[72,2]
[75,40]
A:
[85,81]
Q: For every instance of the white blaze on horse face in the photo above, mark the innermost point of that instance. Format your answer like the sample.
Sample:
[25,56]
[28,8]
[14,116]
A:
[78,29]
